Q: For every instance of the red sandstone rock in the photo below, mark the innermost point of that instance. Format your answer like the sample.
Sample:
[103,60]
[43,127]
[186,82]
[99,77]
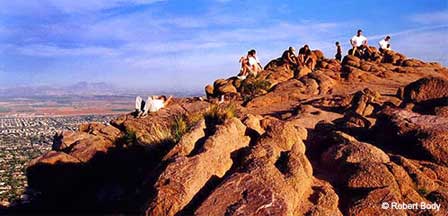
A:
[184,177]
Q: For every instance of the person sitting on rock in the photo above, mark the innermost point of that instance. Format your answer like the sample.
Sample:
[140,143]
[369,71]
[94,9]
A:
[244,71]
[302,52]
[289,57]
[360,45]
[254,63]
[250,65]
[384,44]
[338,55]
[305,57]
[152,104]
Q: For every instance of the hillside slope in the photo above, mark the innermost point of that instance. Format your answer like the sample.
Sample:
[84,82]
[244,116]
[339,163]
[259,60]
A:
[339,140]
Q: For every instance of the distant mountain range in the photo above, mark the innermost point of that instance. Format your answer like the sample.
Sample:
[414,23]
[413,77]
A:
[87,89]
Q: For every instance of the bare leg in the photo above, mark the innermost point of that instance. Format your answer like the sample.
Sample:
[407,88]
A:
[247,70]
[243,70]
[170,98]
[354,50]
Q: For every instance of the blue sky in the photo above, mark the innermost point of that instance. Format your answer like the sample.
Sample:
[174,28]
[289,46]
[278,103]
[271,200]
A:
[166,44]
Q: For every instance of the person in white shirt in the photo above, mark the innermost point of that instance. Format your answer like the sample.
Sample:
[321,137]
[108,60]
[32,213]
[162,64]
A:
[254,63]
[385,44]
[359,42]
[249,65]
[152,104]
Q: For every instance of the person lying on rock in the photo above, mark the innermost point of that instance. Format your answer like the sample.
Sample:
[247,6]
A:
[360,45]
[152,104]
[338,55]
[250,65]
[385,44]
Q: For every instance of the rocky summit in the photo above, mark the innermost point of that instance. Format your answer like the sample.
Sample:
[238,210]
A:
[341,139]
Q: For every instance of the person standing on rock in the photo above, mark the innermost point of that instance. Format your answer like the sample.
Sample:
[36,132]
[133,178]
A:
[338,55]
[152,104]
[384,44]
[359,43]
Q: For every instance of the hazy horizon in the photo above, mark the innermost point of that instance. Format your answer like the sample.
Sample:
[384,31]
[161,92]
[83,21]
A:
[163,44]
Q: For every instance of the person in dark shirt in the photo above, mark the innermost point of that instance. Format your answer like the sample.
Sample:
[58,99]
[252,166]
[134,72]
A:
[338,55]
[289,56]
[303,53]
[307,57]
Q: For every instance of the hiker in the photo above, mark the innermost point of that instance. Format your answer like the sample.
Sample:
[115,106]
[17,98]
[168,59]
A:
[302,53]
[152,104]
[250,65]
[305,57]
[289,57]
[338,55]
[254,63]
[384,44]
[244,71]
[359,44]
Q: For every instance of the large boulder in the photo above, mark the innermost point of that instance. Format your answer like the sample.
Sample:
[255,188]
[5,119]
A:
[347,150]
[278,75]
[188,141]
[287,93]
[154,131]
[209,91]
[280,95]
[273,180]
[87,149]
[187,175]
[371,204]
[90,140]
[392,57]
[223,86]
[324,200]
[363,102]
[427,90]
[253,122]
[412,63]
[421,136]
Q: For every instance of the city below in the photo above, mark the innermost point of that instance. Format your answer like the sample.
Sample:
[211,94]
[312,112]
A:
[25,136]
[30,117]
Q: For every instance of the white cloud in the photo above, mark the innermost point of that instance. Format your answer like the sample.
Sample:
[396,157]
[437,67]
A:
[430,45]
[274,32]
[39,50]
[29,7]
[437,17]
[410,31]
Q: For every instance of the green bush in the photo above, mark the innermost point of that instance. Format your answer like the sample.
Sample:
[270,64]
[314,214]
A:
[252,88]
[179,127]
[182,124]
[218,114]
